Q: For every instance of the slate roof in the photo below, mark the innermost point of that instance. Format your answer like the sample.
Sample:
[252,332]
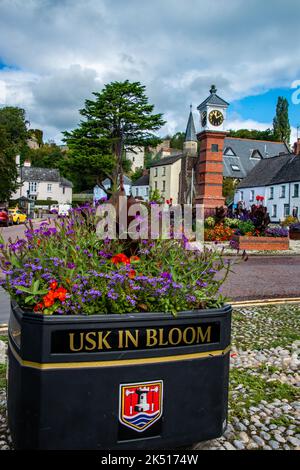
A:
[167,160]
[213,99]
[275,170]
[190,133]
[243,149]
[31,173]
[142,181]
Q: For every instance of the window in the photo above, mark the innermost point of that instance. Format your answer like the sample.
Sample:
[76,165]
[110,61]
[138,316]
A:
[164,171]
[251,195]
[49,188]
[32,186]
[136,191]
[155,184]
[214,147]
[271,193]
[296,190]
[282,194]
[164,185]
[295,212]
[64,190]
[155,171]
[242,195]
[256,155]
[274,210]
[147,190]
[235,167]
[286,210]
[229,152]
[133,159]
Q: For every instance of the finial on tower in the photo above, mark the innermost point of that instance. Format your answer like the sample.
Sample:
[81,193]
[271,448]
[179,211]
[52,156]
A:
[213,89]
[191,106]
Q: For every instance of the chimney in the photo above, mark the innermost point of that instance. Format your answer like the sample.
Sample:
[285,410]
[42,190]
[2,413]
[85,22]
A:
[145,172]
[27,163]
[297,147]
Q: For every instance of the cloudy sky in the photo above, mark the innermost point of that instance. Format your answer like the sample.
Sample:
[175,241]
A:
[54,53]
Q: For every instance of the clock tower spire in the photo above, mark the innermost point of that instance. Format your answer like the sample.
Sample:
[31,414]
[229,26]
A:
[209,173]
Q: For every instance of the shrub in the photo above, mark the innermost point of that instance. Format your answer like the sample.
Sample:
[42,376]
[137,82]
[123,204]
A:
[246,227]
[233,223]
[209,222]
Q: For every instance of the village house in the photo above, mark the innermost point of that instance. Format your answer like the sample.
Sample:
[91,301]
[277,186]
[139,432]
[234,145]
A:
[43,184]
[277,179]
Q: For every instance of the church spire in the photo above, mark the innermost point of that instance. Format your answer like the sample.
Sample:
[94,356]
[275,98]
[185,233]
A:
[190,133]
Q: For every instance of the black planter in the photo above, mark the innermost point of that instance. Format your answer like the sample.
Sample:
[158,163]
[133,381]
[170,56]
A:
[134,381]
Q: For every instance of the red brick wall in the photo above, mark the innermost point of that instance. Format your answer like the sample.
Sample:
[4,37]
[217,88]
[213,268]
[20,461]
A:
[261,243]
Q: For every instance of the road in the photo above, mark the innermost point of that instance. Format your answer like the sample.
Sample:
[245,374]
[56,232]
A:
[261,277]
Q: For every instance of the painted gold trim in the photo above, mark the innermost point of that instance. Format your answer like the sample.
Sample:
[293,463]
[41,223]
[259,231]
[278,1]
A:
[125,362]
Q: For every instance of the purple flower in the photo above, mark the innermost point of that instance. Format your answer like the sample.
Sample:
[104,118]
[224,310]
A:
[71,265]
[166,275]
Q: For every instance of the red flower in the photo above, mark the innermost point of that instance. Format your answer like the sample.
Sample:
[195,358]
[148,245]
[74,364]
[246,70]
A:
[120,258]
[53,285]
[38,307]
[48,299]
[131,274]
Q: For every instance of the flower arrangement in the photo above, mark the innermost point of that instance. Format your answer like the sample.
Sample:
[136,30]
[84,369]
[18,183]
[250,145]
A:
[219,233]
[63,267]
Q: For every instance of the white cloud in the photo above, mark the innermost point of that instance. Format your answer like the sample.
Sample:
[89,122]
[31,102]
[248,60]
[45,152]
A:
[61,50]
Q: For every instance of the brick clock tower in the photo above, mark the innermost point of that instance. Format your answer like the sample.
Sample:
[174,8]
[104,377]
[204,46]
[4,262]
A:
[209,168]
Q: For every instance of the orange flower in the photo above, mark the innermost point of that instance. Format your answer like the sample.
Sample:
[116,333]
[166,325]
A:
[120,258]
[131,274]
[134,258]
[38,242]
[60,294]
[48,300]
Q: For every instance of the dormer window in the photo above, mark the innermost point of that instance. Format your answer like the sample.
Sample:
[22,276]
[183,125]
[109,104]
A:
[255,154]
[228,152]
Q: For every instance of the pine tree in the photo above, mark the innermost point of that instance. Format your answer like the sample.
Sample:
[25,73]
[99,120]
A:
[281,124]
[120,115]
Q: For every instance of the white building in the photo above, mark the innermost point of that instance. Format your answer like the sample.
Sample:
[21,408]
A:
[43,184]
[136,155]
[140,188]
[277,179]
[99,193]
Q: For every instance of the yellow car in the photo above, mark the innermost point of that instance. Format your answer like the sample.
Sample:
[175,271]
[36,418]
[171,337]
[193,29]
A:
[17,216]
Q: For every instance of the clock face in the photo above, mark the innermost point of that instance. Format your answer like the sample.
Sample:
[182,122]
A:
[203,118]
[216,117]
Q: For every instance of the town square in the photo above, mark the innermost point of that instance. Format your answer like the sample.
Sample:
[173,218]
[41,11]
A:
[149,229]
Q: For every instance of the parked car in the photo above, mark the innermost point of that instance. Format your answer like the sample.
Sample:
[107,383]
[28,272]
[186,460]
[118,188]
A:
[5,217]
[18,216]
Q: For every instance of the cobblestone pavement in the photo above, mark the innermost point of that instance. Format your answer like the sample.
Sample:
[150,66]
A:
[264,397]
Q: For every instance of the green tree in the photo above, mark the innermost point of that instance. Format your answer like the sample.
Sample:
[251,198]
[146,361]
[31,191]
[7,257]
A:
[13,121]
[137,174]
[47,156]
[13,135]
[8,168]
[229,187]
[252,134]
[281,124]
[177,140]
[120,115]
